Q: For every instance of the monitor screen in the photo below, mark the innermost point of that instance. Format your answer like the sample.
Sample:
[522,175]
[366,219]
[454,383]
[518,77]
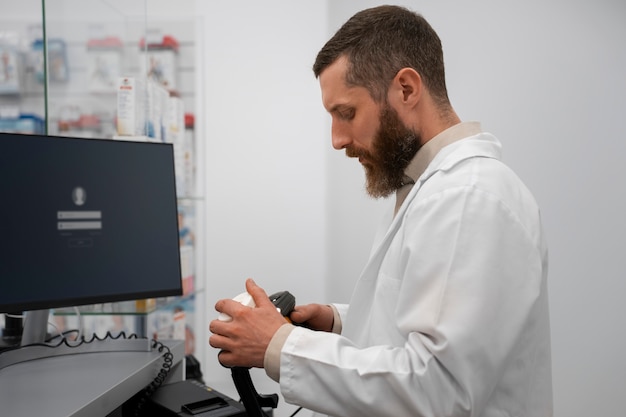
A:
[86,221]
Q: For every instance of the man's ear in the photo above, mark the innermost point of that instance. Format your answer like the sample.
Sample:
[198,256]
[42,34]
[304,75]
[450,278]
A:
[406,88]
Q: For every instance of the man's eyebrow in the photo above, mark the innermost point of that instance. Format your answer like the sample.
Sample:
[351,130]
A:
[339,107]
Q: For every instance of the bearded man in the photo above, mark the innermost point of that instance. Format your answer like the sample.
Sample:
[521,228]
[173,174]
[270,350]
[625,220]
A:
[450,314]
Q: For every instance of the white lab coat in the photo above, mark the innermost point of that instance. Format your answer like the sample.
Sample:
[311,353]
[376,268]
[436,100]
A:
[450,314]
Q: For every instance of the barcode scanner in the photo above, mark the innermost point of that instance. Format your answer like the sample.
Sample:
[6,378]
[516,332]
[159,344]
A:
[285,302]
[251,399]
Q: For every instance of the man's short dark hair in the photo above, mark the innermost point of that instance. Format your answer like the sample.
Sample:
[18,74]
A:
[380,41]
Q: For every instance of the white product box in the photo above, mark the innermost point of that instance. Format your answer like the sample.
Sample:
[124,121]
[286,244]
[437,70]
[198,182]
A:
[131,99]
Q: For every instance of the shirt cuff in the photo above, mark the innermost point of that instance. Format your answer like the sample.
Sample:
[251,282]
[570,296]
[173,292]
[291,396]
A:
[271,361]
[336,320]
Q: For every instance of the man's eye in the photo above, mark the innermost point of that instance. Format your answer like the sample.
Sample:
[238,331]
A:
[346,114]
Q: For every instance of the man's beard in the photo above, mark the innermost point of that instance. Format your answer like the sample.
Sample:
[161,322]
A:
[393,147]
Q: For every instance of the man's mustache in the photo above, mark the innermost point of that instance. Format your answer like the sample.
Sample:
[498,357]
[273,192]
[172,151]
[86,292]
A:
[352,152]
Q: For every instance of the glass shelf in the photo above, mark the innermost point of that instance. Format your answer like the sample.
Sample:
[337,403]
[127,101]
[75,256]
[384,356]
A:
[130,308]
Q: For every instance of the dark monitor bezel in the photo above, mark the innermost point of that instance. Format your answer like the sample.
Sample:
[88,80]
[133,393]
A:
[73,301]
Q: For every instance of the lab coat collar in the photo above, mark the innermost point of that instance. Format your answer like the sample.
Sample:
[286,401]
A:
[427,153]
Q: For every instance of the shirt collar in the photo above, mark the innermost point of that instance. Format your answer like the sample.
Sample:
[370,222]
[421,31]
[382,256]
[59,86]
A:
[429,150]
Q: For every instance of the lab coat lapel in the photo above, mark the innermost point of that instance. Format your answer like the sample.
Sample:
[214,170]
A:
[481,145]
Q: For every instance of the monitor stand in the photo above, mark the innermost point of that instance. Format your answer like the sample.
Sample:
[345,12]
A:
[12,332]
[33,345]
[35,327]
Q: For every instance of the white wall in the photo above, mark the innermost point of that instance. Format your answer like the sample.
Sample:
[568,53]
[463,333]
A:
[264,144]
[546,77]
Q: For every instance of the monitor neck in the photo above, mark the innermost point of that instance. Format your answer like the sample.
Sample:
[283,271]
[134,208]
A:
[12,332]
[35,327]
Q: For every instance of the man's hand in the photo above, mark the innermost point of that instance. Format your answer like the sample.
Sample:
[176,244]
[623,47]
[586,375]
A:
[314,316]
[243,341]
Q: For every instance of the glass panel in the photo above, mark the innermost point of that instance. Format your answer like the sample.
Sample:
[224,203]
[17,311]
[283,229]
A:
[22,104]
[90,45]
[63,64]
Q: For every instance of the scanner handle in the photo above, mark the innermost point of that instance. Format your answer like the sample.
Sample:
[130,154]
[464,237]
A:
[251,399]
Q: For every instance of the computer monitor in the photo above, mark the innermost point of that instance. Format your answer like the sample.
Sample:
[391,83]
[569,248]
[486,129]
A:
[86,221]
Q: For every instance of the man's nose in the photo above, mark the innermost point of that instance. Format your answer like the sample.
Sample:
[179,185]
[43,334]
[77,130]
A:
[340,138]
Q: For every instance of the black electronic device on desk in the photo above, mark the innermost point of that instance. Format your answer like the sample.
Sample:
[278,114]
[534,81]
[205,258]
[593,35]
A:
[192,398]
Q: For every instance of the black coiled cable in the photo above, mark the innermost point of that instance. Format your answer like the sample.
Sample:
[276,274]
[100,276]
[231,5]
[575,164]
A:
[168,359]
